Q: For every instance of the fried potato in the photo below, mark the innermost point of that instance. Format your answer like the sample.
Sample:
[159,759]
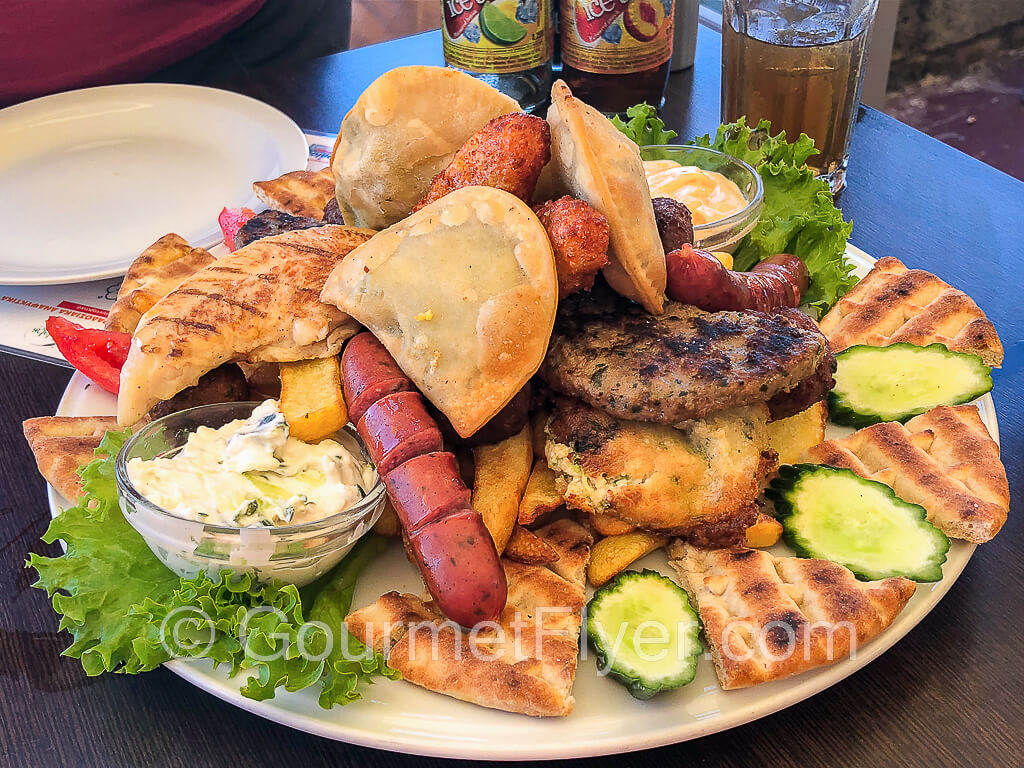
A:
[500,474]
[613,554]
[525,546]
[792,437]
[387,524]
[606,525]
[311,398]
[541,495]
[764,533]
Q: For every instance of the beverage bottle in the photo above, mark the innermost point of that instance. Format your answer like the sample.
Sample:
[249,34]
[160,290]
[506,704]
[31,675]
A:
[507,43]
[615,53]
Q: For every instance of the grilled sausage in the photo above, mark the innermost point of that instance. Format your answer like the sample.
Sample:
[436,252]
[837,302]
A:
[449,541]
[698,278]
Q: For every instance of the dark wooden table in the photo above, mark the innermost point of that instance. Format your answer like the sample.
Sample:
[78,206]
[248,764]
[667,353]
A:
[948,694]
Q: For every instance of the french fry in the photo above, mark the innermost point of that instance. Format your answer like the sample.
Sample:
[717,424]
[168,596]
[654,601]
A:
[387,524]
[612,555]
[792,437]
[606,525]
[538,422]
[524,546]
[500,474]
[541,495]
[311,398]
[765,532]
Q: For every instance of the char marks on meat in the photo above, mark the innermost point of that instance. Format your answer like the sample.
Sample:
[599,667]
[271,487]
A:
[271,223]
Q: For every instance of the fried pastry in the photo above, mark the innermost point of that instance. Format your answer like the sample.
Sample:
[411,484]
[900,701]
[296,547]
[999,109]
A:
[299,193]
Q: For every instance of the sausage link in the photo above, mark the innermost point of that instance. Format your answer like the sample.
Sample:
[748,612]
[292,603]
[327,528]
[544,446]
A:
[370,373]
[698,278]
[396,428]
[426,488]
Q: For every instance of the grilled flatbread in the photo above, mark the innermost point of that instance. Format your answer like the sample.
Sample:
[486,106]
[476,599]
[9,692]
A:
[597,163]
[62,444]
[260,304]
[766,618]
[895,304]
[945,460]
[299,193]
[527,664]
[156,272]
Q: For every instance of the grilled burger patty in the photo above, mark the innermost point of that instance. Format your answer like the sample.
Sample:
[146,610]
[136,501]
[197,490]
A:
[685,364]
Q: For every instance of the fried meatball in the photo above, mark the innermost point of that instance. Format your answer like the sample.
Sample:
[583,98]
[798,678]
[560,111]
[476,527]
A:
[579,238]
[508,153]
[675,224]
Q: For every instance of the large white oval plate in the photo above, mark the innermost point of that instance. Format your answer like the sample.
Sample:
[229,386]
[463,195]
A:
[90,178]
[401,717]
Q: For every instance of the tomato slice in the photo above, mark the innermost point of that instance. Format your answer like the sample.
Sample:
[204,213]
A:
[98,354]
[231,220]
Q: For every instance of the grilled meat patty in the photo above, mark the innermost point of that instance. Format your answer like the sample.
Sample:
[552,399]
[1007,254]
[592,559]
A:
[271,223]
[684,364]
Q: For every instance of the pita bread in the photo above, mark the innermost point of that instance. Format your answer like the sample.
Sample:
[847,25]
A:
[766,618]
[403,130]
[62,444]
[597,163]
[945,460]
[463,295]
[299,193]
[526,663]
[156,272]
[895,304]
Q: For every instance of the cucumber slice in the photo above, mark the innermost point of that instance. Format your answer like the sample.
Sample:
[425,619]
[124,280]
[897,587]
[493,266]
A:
[834,514]
[898,382]
[644,633]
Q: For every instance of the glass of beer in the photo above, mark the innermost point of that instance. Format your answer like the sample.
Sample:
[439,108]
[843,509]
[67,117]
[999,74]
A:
[799,64]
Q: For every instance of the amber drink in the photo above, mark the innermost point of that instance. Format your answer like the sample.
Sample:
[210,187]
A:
[799,64]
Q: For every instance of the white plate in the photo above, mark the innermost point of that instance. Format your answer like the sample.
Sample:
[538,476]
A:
[90,178]
[401,717]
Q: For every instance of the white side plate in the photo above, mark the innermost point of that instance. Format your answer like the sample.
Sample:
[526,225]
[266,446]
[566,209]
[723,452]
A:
[401,717]
[90,178]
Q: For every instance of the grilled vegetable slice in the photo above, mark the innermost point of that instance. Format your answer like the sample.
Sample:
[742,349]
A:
[898,382]
[644,632]
[834,514]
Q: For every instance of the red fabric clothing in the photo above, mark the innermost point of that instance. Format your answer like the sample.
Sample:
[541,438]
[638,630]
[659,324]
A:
[57,45]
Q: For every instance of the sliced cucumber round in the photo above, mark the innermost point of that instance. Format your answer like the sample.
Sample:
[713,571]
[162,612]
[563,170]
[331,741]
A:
[644,633]
[898,382]
[834,514]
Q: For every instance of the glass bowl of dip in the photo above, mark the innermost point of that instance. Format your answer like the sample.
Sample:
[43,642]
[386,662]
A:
[724,194]
[294,553]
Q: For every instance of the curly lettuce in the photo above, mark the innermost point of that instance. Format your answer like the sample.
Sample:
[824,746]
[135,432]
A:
[644,126]
[126,612]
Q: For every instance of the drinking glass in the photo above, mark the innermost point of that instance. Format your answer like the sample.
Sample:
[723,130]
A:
[799,64]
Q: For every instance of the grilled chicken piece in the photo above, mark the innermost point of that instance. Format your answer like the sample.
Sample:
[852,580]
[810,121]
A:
[684,364]
[579,239]
[508,153]
[258,304]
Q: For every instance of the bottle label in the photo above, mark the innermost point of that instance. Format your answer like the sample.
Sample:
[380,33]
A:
[497,36]
[612,37]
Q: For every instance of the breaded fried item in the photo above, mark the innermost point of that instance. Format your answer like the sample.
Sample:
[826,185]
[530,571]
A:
[507,153]
[527,664]
[945,460]
[299,193]
[766,618]
[699,481]
[156,272]
[685,364]
[260,304]
[579,239]
[62,444]
[894,304]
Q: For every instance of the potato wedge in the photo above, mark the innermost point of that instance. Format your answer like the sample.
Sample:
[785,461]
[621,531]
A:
[387,524]
[541,495]
[606,525]
[538,424]
[311,398]
[765,532]
[792,437]
[613,554]
[524,546]
[500,474]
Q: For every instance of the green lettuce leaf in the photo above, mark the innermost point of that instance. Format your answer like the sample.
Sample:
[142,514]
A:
[799,215]
[644,126]
[127,612]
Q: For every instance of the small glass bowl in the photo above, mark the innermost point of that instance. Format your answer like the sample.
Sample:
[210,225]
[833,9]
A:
[297,554]
[724,234]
